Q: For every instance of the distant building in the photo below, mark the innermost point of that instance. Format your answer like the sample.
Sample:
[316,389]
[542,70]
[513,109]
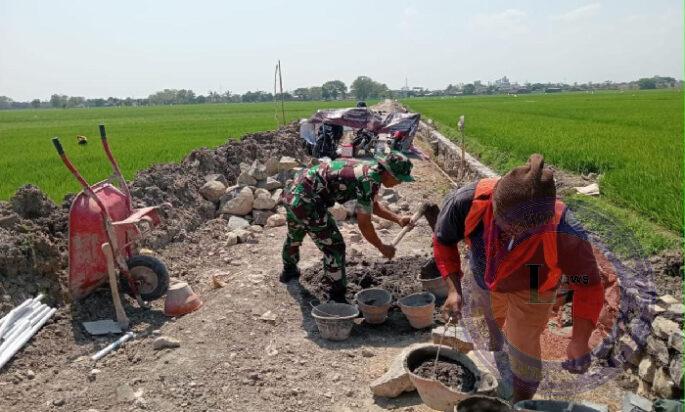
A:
[553,90]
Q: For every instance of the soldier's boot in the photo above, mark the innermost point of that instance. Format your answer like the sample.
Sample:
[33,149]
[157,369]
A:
[289,273]
[337,292]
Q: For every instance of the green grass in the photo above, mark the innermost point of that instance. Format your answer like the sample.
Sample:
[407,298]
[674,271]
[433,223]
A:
[139,137]
[634,140]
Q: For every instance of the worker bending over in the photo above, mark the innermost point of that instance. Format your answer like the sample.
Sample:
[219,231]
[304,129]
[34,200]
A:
[521,241]
[310,195]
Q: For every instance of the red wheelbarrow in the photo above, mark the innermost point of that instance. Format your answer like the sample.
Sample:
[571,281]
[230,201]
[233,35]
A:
[104,231]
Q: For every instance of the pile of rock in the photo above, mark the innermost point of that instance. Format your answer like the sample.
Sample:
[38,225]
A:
[255,196]
[650,346]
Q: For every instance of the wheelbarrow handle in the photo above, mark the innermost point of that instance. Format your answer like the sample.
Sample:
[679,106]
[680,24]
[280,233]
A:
[103,133]
[58,145]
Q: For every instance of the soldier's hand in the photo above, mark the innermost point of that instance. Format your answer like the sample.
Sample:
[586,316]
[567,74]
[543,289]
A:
[388,251]
[404,221]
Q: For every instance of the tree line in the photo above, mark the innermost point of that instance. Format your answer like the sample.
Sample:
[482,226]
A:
[362,88]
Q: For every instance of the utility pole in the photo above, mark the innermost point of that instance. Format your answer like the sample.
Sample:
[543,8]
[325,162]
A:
[280,80]
[460,126]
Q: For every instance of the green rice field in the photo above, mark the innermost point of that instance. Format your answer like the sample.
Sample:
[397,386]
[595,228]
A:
[633,140]
[139,137]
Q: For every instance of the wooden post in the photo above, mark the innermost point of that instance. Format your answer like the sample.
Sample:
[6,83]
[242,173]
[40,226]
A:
[275,101]
[280,80]
[460,125]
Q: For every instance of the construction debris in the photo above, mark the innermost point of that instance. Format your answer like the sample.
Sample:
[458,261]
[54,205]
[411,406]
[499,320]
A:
[102,327]
[112,346]
[589,190]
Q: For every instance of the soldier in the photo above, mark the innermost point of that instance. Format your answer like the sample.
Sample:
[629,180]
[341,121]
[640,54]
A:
[310,195]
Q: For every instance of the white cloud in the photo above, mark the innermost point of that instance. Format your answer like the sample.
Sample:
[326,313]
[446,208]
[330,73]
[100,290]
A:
[505,23]
[580,13]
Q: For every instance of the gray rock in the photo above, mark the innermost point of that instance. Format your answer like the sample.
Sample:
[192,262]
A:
[218,177]
[164,342]
[636,403]
[245,236]
[255,229]
[675,341]
[675,369]
[246,179]
[338,211]
[257,170]
[396,380]
[663,327]
[351,206]
[287,163]
[646,369]
[271,165]
[455,337]
[276,195]
[675,311]
[663,385]
[391,198]
[238,204]
[404,206]
[667,300]
[275,220]
[386,191]
[231,239]
[262,200]
[657,349]
[213,190]
[260,217]
[270,184]
[237,222]
[629,350]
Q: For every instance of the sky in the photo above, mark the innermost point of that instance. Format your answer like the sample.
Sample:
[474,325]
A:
[132,48]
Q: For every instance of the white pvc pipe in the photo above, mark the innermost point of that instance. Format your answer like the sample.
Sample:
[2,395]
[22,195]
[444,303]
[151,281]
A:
[28,313]
[111,346]
[25,337]
[22,326]
[12,316]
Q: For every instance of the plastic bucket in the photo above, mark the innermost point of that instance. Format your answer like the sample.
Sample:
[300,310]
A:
[434,393]
[481,403]
[551,406]
[374,304]
[418,308]
[335,320]
[434,285]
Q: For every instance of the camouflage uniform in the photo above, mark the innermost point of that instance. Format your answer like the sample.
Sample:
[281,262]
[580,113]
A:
[307,201]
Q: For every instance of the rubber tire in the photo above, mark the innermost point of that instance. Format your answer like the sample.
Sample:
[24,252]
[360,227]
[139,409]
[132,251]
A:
[156,266]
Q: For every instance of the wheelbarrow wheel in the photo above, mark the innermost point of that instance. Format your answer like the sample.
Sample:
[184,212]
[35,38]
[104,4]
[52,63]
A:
[151,276]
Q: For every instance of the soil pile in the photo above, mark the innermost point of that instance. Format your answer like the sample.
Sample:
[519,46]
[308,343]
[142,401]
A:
[451,373]
[33,252]
[396,276]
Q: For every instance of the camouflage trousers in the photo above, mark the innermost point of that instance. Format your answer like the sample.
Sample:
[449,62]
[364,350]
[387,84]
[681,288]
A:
[325,234]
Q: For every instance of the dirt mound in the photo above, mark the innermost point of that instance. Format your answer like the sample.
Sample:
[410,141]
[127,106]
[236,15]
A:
[451,373]
[396,276]
[32,248]
[179,183]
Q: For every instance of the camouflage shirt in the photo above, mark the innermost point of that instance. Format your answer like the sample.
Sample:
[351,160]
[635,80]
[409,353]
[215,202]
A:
[339,181]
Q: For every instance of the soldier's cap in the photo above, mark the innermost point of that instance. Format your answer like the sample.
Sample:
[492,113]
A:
[398,165]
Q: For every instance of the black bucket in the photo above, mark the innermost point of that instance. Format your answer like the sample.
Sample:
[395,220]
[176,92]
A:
[552,406]
[483,404]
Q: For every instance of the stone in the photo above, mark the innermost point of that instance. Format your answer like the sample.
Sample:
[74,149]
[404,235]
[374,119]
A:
[396,380]
[675,341]
[351,206]
[404,206]
[675,311]
[164,342]
[276,195]
[245,236]
[257,170]
[643,388]
[391,198]
[246,179]
[675,369]
[255,229]
[237,222]
[455,337]
[663,327]
[239,203]
[262,200]
[663,385]
[368,353]
[338,211]
[216,177]
[655,310]
[636,403]
[213,190]
[287,163]
[355,237]
[386,191]
[260,217]
[275,220]
[394,208]
[639,329]
[231,239]
[657,349]
[269,317]
[667,300]
[30,374]
[270,184]
[646,369]
[271,166]
[628,349]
